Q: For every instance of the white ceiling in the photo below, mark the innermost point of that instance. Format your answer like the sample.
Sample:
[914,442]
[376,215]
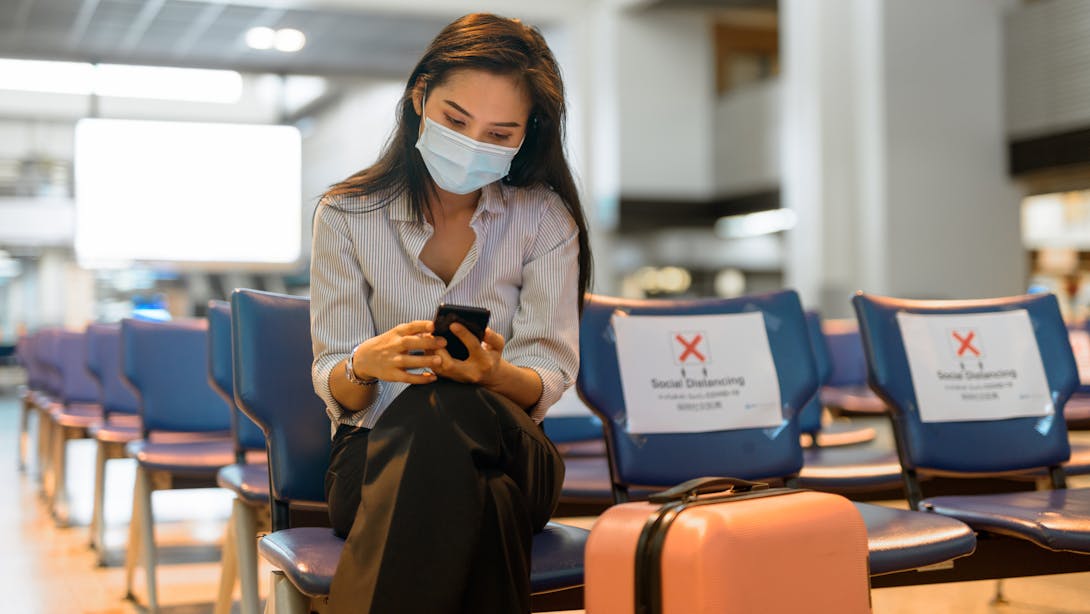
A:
[344,37]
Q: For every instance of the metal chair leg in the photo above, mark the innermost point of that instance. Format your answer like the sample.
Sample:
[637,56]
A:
[45,437]
[999,598]
[133,549]
[228,568]
[98,524]
[284,598]
[24,434]
[146,524]
[246,551]
[59,500]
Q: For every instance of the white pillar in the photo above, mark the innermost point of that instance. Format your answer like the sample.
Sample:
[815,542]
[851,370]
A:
[894,151]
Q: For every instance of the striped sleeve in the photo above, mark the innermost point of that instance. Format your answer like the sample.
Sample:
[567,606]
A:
[545,329]
[339,316]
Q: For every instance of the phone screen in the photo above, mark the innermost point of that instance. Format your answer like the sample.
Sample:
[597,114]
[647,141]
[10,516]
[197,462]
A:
[475,319]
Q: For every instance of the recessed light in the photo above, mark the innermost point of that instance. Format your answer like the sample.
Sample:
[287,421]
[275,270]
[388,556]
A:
[260,37]
[290,40]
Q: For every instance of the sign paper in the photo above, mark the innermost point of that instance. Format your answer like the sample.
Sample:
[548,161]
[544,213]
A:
[692,374]
[968,367]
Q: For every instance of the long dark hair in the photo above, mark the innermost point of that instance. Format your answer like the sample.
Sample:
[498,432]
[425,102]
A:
[504,47]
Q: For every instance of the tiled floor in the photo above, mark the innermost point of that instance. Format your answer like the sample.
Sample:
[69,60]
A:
[49,570]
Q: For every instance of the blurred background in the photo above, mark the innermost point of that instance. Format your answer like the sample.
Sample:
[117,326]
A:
[157,154]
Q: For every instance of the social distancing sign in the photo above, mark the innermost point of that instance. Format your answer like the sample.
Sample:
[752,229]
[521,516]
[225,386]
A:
[967,367]
[690,374]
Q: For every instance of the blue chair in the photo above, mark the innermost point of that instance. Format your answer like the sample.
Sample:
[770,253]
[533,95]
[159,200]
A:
[24,354]
[1022,533]
[247,477]
[899,540]
[272,362]
[45,398]
[77,410]
[837,463]
[810,418]
[846,391]
[41,395]
[1077,410]
[166,363]
[120,417]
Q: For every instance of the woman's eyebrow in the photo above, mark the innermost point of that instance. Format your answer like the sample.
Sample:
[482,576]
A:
[470,115]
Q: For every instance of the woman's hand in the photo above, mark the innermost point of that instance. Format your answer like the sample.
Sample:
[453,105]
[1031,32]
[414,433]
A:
[387,356]
[484,359]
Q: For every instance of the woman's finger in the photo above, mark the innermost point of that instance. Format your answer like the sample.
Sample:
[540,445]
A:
[425,343]
[494,340]
[472,343]
[419,378]
[414,328]
[412,361]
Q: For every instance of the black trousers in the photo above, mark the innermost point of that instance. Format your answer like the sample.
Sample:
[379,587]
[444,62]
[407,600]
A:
[439,504]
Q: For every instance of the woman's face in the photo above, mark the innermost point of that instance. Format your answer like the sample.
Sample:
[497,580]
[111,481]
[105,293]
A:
[484,106]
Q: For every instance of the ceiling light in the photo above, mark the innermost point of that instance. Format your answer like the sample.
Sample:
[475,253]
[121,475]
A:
[260,38]
[122,81]
[755,224]
[290,40]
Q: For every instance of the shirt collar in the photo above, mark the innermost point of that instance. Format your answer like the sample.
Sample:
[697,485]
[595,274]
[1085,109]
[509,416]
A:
[493,201]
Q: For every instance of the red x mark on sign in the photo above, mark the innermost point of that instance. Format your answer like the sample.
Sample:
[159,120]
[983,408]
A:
[690,347]
[966,343]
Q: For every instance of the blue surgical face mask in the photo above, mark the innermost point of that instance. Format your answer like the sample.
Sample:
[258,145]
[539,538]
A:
[459,164]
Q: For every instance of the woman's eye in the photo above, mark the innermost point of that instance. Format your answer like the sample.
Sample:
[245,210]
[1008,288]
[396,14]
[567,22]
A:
[500,137]
[455,122]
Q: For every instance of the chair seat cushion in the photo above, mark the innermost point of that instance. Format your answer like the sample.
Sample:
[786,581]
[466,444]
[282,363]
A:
[852,399]
[1077,411]
[250,482]
[590,447]
[308,557]
[586,477]
[198,458]
[77,416]
[557,558]
[1053,519]
[840,433]
[1079,463]
[117,433]
[901,540]
[40,400]
[850,469]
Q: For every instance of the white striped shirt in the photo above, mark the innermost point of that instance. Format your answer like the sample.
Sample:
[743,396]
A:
[366,278]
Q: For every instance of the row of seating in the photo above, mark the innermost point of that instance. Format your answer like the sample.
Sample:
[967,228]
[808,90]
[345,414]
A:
[192,378]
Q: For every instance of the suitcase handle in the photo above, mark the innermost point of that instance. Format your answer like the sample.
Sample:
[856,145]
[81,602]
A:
[702,486]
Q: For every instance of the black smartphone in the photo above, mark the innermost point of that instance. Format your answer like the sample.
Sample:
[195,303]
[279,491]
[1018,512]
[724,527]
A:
[475,319]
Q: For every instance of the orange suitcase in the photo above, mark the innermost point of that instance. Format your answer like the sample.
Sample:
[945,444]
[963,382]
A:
[750,550]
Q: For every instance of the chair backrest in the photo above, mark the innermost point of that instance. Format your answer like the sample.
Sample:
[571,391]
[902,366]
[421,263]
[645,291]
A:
[847,360]
[968,446]
[272,361]
[167,364]
[47,352]
[220,376]
[567,429]
[810,416]
[1080,343]
[670,458]
[22,349]
[104,362]
[27,354]
[78,386]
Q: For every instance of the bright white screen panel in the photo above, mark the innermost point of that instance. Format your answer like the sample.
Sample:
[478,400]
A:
[187,193]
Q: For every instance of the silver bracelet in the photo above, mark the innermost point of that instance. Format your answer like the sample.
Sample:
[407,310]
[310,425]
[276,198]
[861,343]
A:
[350,373]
